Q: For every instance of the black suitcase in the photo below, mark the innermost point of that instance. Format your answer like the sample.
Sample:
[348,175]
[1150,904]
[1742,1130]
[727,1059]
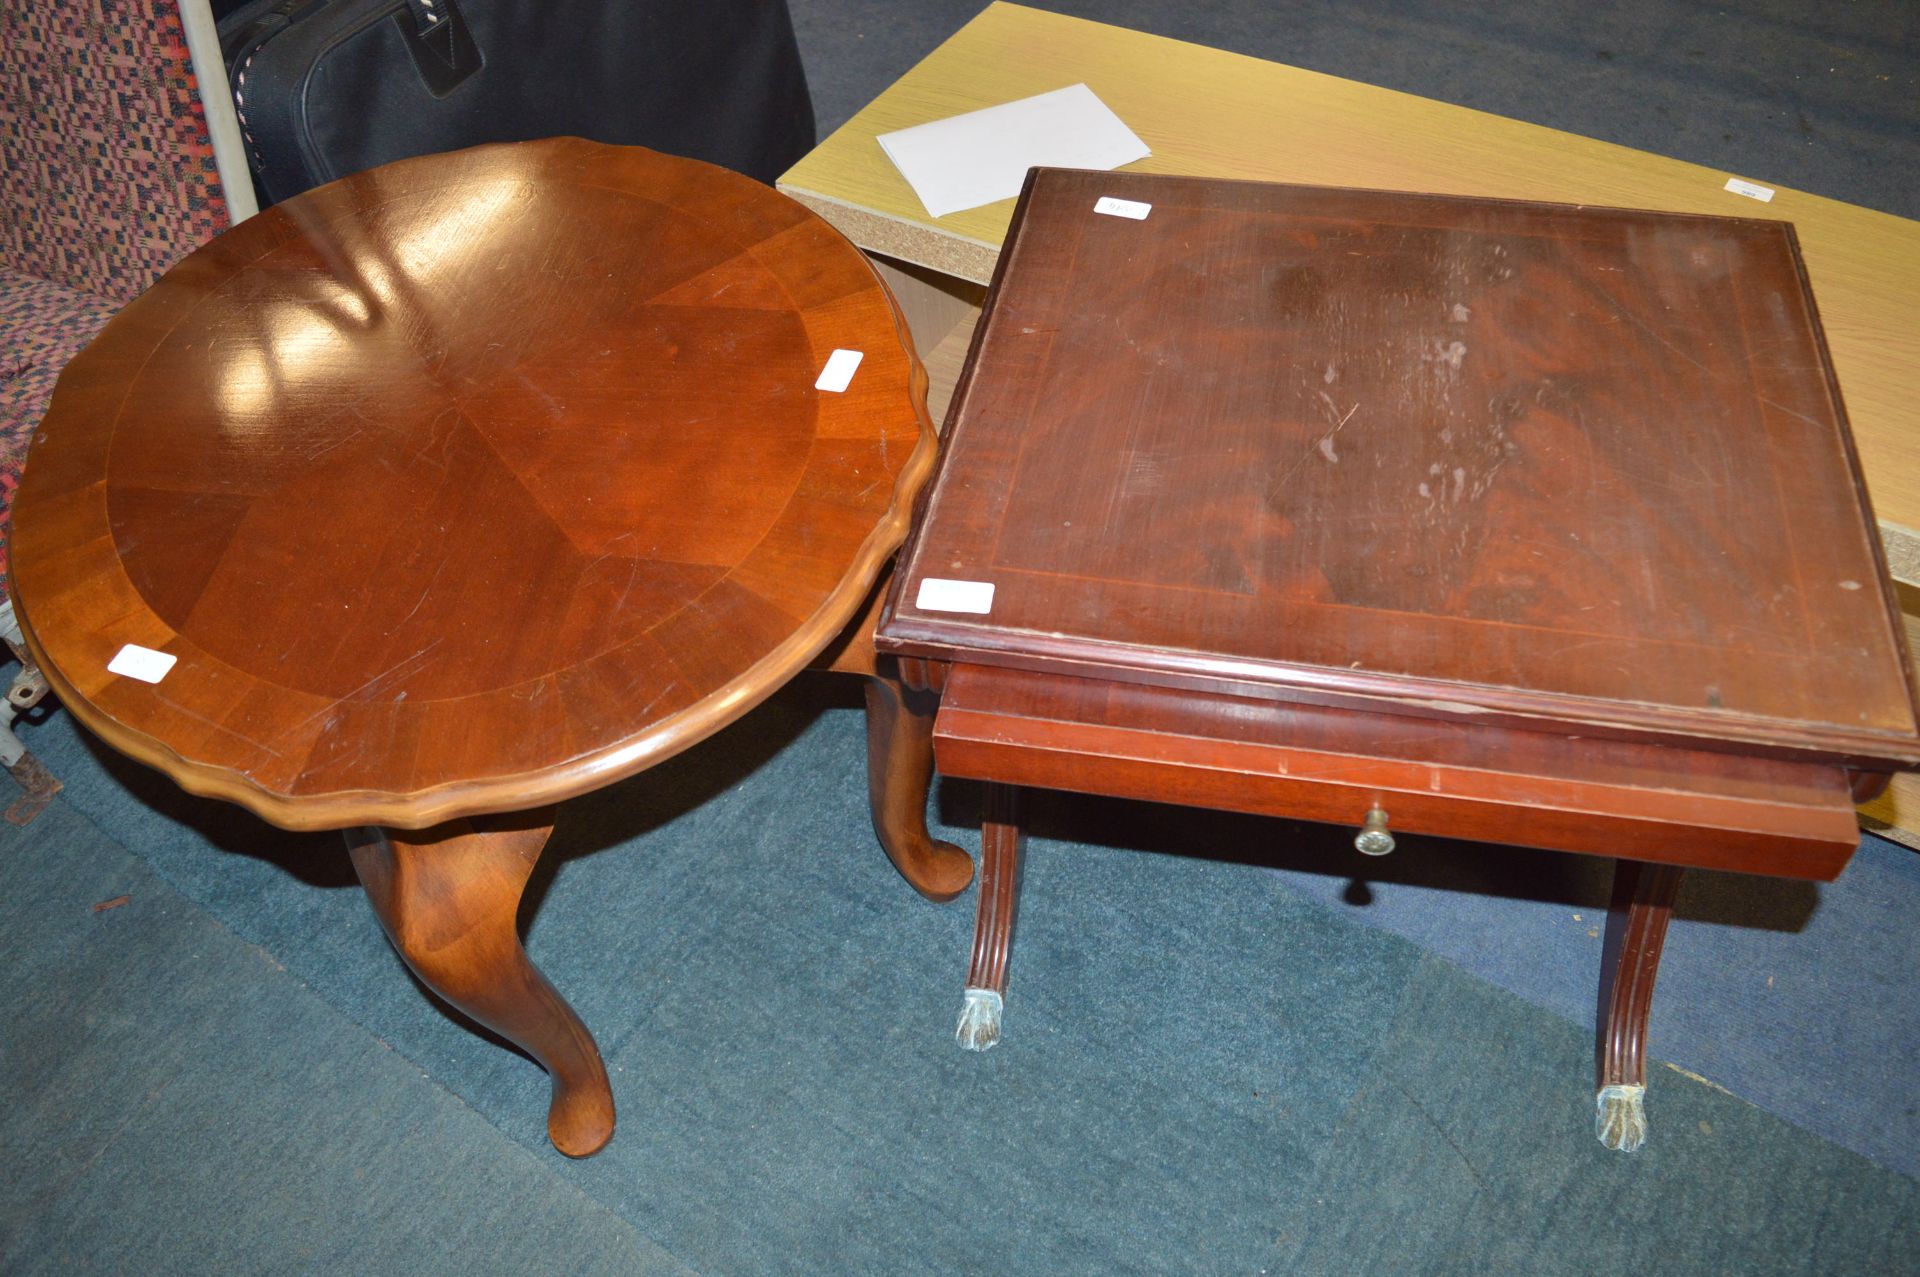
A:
[325,88]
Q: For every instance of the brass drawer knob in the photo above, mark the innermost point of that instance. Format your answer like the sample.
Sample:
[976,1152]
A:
[1373,838]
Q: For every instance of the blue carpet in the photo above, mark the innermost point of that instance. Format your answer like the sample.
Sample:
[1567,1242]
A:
[1441,1151]
[1205,1070]
[175,1102]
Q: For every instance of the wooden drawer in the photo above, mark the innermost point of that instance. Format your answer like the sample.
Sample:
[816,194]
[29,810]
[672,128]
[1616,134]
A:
[1494,784]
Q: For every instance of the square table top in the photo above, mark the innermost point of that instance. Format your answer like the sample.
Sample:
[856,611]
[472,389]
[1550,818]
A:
[1584,467]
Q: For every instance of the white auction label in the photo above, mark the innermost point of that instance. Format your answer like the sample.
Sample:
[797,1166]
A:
[142,663]
[838,373]
[1122,208]
[1751,190]
[937,595]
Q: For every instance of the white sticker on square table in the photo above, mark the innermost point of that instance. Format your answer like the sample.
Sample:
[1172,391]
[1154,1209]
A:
[838,374]
[1122,208]
[938,595]
[142,663]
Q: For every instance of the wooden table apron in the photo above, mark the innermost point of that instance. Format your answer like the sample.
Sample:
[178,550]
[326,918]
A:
[1492,519]
[467,485]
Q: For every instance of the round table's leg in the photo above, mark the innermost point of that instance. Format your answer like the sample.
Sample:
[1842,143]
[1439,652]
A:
[448,897]
[899,773]
[1636,929]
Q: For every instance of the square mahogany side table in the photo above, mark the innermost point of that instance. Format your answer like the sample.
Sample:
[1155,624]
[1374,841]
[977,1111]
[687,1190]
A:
[1520,522]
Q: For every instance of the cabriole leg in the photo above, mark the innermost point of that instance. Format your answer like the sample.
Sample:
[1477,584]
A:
[899,774]
[448,897]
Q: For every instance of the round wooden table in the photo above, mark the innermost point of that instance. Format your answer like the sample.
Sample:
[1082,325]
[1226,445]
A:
[467,485]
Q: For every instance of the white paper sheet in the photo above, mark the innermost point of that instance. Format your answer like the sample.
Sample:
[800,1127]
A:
[968,160]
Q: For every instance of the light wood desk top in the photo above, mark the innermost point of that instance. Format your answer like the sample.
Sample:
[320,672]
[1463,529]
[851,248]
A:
[1207,112]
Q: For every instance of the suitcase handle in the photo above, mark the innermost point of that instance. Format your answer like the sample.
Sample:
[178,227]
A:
[429,14]
[440,44]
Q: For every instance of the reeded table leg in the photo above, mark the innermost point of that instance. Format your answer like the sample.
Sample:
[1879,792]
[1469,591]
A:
[1636,929]
[1000,837]
[448,897]
[899,773]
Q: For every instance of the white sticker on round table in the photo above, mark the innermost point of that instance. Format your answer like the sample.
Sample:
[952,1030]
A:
[143,663]
[838,374]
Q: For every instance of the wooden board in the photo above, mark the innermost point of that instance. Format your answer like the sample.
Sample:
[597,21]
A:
[1221,114]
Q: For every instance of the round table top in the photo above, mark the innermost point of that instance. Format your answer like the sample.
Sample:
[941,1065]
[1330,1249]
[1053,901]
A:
[468,484]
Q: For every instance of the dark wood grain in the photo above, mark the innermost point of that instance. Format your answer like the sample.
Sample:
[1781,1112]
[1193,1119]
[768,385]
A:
[1637,919]
[1578,468]
[1001,834]
[469,483]
[1700,808]
[1505,521]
